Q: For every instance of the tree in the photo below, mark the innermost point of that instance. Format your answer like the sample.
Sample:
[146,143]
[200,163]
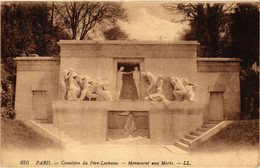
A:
[78,18]
[25,29]
[115,33]
[244,30]
[208,23]
[228,31]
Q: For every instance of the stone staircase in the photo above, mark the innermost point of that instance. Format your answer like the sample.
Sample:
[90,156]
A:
[66,140]
[58,136]
[200,135]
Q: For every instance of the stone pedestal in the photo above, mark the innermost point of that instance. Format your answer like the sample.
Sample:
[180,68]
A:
[88,120]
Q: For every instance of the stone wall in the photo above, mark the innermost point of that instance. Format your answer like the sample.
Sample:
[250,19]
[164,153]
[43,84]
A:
[220,75]
[99,59]
[39,79]
[87,121]
[36,87]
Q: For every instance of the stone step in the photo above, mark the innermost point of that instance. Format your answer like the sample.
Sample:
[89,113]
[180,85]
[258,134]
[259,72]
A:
[208,125]
[57,132]
[185,141]
[202,129]
[196,133]
[190,137]
[182,145]
[213,122]
[129,141]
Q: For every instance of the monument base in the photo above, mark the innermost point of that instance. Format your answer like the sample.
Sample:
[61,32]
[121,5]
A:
[89,121]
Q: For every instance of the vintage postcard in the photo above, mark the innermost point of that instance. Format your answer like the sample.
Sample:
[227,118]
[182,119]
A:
[129,84]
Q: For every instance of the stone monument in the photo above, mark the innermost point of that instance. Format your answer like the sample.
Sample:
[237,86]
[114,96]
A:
[92,80]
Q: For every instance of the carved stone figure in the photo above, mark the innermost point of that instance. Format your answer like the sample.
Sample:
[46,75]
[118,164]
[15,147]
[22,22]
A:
[129,125]
[149,80]
[72,89]
[159,83]
[79,87]
[158,96]
[103,89]
[137,80]
[183,89]
[88,88]
[119,81]
[189,88]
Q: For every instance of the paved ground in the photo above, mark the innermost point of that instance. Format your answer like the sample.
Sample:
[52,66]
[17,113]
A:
[123,154]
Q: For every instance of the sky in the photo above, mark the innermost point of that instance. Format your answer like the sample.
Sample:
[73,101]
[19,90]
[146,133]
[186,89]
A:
[150,21]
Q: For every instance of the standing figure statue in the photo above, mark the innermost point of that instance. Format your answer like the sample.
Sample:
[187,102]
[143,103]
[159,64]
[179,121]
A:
[72,88]
[137,80]
[119,81]
[150,80]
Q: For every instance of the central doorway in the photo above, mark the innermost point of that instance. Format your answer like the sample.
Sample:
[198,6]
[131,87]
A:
[129,89]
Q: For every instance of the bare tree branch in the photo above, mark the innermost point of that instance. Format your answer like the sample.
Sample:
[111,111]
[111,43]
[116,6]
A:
[80,17]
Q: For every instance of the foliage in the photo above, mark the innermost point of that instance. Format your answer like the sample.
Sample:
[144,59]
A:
[226,30]
[115,33]
[78,18]
[26,28]
[249,93]
[208,23]
[244,30]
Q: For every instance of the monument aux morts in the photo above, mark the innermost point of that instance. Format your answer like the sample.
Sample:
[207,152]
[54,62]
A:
[98,91]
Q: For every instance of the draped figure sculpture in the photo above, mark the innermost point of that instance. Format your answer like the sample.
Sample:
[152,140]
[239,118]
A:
[119,81]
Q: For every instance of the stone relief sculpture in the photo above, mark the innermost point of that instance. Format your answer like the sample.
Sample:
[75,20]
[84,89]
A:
[183,89]
[80,87]
[137,80]
[158,96]
[149,79]
[72,89]
[129,125]
[88,88]
[103,89]
[119,81]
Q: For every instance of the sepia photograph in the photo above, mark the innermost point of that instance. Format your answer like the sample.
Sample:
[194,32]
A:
[129,84]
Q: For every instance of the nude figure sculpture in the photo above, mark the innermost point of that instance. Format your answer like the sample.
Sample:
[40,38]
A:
[72,89]
[158,96]
[137,80]
[88,88]
[183,89]
[78,87]
[149,80]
